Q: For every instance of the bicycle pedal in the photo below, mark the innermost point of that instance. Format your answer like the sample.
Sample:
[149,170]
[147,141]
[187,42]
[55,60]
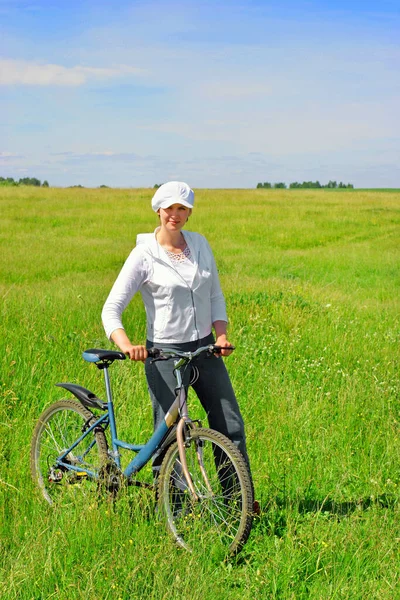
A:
[81,474]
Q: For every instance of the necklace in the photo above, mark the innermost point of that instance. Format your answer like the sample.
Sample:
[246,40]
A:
[180,256]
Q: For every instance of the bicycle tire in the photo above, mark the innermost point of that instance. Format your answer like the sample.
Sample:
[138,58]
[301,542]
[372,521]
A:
[57,428]
[223,514]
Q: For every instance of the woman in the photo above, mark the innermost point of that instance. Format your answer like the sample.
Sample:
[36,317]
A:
[175,273]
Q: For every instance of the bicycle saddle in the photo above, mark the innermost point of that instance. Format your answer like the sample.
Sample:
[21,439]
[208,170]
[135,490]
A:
[96,355]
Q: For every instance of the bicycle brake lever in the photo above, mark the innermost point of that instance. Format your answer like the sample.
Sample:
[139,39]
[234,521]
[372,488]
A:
[154,352]
[153,360]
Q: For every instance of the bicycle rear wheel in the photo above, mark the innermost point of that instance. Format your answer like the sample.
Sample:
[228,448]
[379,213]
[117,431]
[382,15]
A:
[59,426]
[223,512]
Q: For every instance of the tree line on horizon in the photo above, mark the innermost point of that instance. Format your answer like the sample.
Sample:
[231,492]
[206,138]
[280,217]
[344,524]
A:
[332,185]
[23,181]
[9,181]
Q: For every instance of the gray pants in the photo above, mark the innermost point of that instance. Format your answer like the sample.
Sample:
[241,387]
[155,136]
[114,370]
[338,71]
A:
[213,388]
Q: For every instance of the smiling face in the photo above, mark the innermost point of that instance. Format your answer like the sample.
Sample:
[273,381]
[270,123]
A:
[174,217]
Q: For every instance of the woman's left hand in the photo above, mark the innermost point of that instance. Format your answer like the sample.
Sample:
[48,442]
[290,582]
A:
[223,342]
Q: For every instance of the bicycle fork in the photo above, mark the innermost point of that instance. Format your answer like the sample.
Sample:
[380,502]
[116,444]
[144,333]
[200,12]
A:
[180,438]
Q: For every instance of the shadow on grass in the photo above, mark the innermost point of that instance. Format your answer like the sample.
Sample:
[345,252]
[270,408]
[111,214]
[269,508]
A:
[344,509]
[275,512]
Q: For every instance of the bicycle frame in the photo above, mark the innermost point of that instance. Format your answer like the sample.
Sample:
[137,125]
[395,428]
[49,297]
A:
[177,415]
[144,451]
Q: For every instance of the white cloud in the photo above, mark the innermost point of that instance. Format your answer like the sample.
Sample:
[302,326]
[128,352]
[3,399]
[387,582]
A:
[9,156]
[94,156]
[21,72]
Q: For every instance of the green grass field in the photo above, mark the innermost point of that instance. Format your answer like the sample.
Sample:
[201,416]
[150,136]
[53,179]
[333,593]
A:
[312,281]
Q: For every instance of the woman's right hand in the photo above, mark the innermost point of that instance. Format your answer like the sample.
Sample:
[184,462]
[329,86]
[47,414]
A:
[120,338]
[136,352]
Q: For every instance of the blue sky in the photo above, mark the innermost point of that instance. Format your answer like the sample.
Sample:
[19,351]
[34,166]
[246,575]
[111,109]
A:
[218,94]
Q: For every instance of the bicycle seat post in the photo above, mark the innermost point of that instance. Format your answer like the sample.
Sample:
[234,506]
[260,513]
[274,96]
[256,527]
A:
[108,385]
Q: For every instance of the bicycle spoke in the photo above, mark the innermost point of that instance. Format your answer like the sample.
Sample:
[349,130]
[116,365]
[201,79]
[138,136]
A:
[223,488]
[58,429]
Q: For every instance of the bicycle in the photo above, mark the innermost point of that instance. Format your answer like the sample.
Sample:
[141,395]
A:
[204,487]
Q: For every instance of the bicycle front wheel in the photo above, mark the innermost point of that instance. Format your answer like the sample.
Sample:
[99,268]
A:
[222,512]
[59,426]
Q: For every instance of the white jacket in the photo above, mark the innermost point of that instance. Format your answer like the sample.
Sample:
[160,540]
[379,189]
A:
[175,311]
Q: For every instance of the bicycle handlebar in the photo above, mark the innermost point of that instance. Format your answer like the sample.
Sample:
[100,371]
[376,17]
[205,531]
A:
[160,354]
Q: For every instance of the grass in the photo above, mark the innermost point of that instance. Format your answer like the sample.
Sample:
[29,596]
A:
[311,280]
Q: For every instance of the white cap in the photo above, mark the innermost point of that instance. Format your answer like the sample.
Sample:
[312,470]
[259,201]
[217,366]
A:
[173,192]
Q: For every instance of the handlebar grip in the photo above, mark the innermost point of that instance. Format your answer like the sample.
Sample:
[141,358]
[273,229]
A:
[217,349]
